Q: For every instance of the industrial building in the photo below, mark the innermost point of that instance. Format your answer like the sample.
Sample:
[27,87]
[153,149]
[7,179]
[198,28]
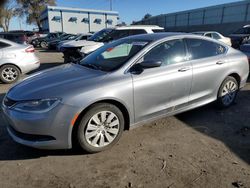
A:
[74,20]
[225,18]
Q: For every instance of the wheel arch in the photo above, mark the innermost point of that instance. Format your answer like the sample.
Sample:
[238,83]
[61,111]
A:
[12,65]
[114,102]
[236,76]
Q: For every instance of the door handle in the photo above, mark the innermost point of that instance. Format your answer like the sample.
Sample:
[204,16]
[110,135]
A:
[184,69]
[220,62]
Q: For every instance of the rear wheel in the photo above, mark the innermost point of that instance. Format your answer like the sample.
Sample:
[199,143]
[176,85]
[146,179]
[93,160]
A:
[228,92]
[9,74]
[100,128]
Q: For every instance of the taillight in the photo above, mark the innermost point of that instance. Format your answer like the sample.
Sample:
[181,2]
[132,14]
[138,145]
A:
[30,49]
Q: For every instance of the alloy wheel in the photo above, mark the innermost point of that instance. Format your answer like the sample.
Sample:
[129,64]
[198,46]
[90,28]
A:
[229,92]
[10,74]
[102,129]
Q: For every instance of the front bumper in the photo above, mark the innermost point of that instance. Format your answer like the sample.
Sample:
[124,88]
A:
[50,130]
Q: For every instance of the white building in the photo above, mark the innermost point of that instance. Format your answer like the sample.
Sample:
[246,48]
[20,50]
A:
[74,20]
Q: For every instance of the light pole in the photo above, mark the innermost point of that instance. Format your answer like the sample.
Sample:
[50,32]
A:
[111,5]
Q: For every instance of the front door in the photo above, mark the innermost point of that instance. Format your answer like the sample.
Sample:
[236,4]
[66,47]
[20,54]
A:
[161,90]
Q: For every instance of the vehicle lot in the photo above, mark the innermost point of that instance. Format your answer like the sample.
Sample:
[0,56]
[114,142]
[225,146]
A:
[205,147]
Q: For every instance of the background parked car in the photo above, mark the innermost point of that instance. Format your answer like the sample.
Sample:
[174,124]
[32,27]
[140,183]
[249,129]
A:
[240,36]
[215,35]
[18,37]
[53,43]
[16,59]
[77,49]
[80,37]
[245,48]
[43,41]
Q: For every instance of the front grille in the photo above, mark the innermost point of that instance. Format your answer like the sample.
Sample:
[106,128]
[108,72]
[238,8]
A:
[9,102]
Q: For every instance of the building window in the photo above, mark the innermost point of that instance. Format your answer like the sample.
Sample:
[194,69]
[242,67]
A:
[56,18]
[73,19]
[109,22]
[85,20]
[98,21]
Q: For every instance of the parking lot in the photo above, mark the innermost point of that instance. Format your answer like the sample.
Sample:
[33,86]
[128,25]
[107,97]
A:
[205,147]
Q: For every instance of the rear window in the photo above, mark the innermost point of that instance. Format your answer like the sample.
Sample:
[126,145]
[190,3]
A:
[137,32]
[202,48]
[3,45]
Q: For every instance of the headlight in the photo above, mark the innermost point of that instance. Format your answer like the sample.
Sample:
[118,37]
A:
[37,106]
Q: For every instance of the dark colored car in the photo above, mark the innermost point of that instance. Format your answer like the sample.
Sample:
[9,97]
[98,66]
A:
[245,48]
[53,44]
[240,36]
[43,41]
[18,37]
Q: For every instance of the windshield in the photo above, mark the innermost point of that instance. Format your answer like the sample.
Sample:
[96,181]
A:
[97,37]
[112,56]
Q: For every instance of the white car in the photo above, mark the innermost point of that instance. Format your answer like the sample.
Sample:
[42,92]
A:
[80,37]
[16,59]
[215,35]
[78,49]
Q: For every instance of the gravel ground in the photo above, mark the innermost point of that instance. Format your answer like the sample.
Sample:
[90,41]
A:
[201,148]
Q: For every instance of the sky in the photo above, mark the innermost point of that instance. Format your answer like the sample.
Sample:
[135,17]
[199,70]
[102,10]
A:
[130,10]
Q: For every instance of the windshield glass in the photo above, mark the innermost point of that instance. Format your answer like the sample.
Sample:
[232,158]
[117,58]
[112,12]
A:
[97,37]
[112,56]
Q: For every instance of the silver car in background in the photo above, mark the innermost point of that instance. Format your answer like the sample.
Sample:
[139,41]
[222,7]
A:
[16,59]
[122,84]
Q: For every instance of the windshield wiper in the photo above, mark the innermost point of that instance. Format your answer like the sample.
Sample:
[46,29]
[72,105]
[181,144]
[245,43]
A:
[92,66]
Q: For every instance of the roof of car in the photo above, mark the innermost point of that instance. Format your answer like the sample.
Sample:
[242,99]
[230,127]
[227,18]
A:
[158,36]
[139,27]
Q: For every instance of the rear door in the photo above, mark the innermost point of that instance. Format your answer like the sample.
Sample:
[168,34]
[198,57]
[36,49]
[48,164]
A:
[209,68]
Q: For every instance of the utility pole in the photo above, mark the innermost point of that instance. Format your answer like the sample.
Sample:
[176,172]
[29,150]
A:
[111,5]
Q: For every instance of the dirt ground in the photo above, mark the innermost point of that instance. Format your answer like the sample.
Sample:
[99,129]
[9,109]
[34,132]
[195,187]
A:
[201,148]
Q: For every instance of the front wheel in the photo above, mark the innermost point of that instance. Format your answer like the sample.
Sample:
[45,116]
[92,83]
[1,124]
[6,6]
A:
[44,44]
[100,128]
[228,92]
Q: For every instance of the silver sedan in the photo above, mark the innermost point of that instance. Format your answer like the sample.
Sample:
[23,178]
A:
[123,84]
[16,59]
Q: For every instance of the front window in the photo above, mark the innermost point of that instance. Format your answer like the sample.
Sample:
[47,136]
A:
[114,55]
[170,52]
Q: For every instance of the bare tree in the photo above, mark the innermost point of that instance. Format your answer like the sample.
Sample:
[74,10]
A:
[7,12]
[32,9]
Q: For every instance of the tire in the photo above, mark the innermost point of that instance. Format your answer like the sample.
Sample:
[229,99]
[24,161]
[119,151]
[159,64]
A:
[44,44]
[228,92]
[9,74]
[94,133]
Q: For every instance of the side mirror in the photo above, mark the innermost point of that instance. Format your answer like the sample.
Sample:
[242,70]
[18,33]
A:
[150,64]
[138,68]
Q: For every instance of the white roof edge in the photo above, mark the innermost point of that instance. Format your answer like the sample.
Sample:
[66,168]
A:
[81,9]
[140,26]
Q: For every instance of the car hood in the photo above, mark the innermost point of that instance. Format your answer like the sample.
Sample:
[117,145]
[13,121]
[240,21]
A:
[56,82]
[80,43]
